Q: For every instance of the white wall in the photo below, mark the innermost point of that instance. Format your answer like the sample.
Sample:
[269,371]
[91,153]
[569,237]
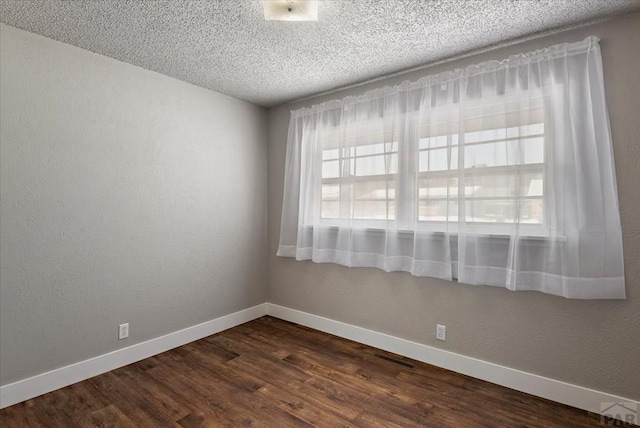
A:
[595,344]
[127,196]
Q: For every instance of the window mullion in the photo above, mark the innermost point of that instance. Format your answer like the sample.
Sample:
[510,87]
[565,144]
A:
[462,204]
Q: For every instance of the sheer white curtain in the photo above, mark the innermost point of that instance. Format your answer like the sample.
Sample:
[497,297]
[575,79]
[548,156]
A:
[499,174]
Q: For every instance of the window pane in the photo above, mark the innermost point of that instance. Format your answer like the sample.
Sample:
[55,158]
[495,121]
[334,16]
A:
[437,159]
[490,185]
[483,155]
[330,191]
[501,153]
[438,187]
[531,211]
[377,165]
[490,211]
[369,149]
[532,184]
[370,210]
[330,169]
[504,184]
[374,190]
[533,150]
[438,210]
[330,154]
[505,210]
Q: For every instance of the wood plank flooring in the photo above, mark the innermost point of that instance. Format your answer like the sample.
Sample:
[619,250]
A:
[271,373]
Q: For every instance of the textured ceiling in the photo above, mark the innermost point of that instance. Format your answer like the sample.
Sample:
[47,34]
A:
[226,46]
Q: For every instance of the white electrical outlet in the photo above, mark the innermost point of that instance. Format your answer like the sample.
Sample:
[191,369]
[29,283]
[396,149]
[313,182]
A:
[441,332]
[123,331]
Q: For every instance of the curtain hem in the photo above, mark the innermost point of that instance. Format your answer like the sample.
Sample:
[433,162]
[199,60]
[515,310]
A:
[570,287]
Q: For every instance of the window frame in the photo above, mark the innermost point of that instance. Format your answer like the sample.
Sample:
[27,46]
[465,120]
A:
[403,225]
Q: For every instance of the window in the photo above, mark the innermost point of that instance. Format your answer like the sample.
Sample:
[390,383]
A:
[499,179]
[499,174]
[362,177]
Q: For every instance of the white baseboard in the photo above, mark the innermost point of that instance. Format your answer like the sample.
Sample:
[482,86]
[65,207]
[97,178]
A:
[55,379]
[561,392]
[551,389]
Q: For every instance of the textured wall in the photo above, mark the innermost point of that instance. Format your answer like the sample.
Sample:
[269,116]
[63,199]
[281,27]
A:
[127,196]
[595,344]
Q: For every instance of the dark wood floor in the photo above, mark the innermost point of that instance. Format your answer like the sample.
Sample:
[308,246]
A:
[271,373]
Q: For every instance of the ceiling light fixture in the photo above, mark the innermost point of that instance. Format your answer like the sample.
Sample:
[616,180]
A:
[290,10]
